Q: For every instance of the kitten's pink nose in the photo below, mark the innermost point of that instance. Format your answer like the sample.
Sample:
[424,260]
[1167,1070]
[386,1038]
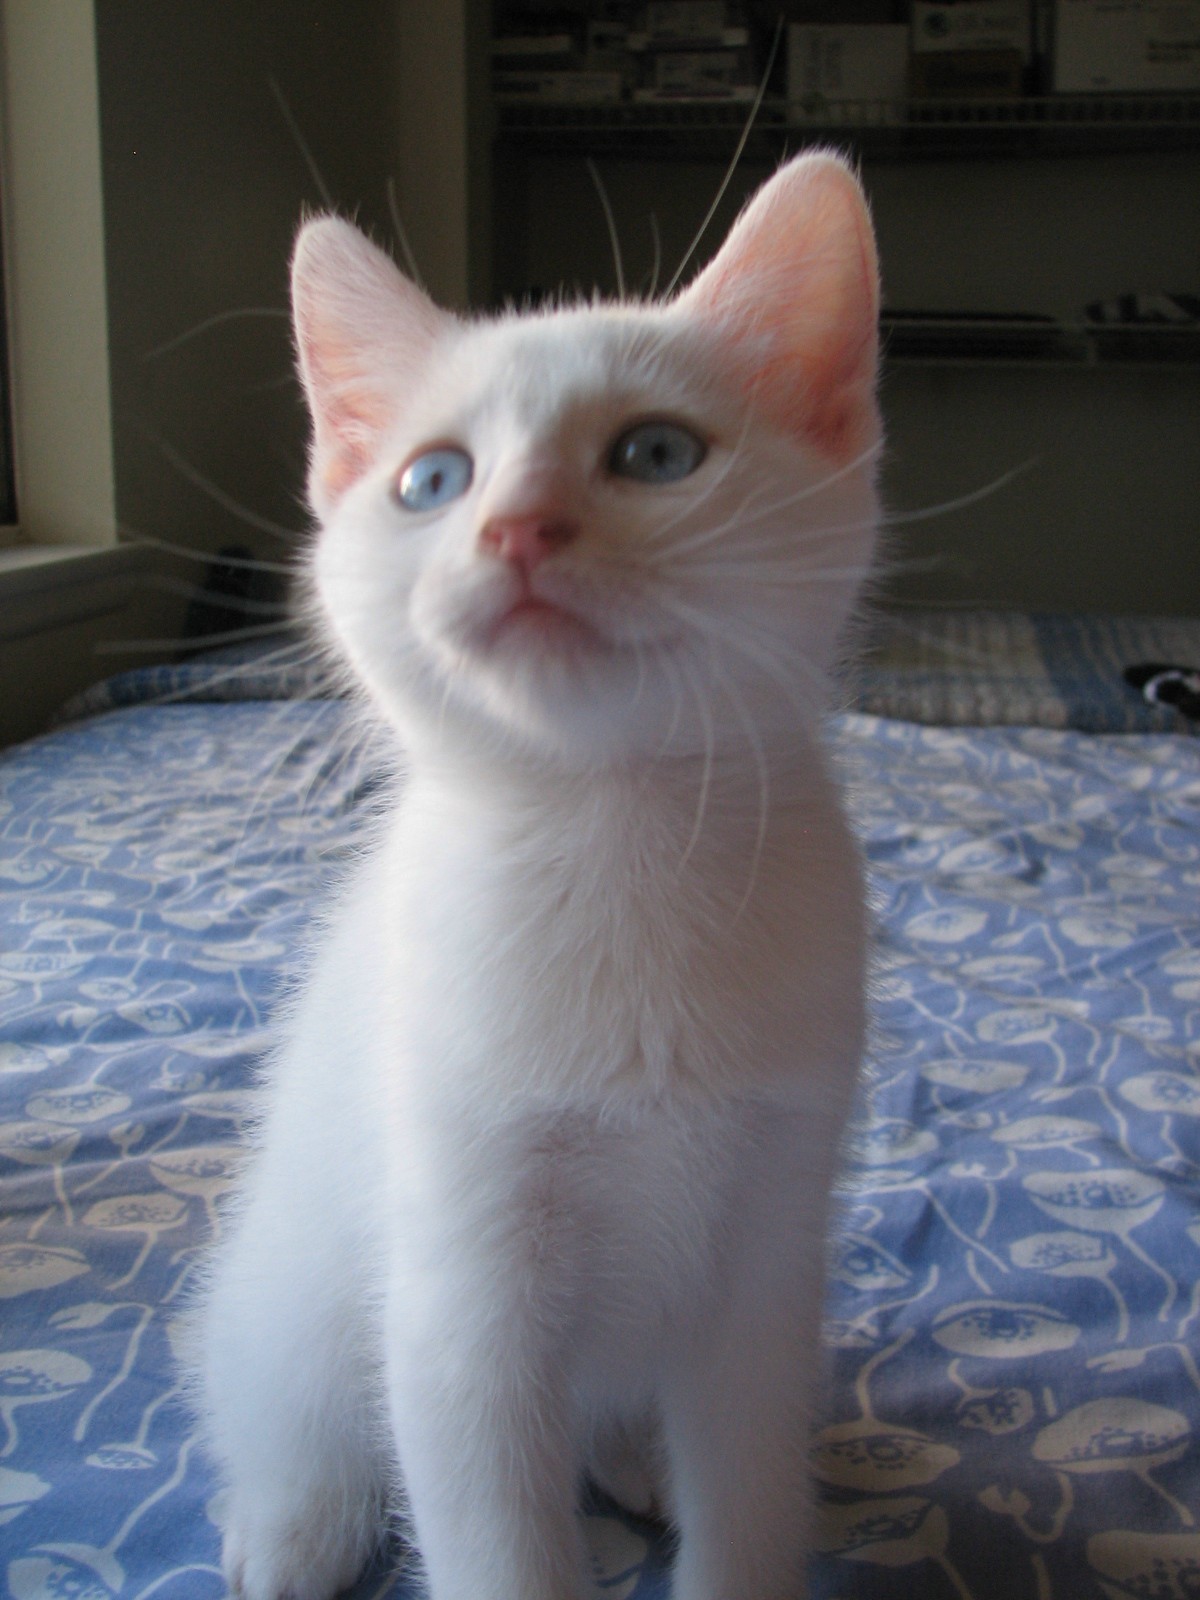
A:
[526,541]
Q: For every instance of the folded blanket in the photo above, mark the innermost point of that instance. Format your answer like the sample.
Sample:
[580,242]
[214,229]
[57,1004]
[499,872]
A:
[985,668]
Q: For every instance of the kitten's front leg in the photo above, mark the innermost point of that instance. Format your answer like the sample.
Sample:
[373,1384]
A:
[738,1392]
[737,1422]
[485,1438]
[285,1387]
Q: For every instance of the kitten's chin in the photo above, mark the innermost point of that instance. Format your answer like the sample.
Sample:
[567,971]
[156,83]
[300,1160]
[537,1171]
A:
[541,680]
[554,683]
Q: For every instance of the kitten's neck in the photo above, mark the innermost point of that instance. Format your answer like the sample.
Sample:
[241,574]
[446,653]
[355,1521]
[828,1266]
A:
[697,896]
[702,817]
[786,768]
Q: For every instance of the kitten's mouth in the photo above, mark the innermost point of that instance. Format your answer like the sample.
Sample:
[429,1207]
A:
[534,617]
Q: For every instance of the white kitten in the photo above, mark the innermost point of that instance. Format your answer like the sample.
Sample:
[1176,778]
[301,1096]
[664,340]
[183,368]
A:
[543,1177]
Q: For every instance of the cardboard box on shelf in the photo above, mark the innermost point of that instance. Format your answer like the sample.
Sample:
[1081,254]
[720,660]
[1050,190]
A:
[972,25]
[855,62]
[728,39]
[699,73]
[1118,45]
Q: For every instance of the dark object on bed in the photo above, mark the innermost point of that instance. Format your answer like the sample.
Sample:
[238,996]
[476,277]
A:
[1167,686]
[237,593]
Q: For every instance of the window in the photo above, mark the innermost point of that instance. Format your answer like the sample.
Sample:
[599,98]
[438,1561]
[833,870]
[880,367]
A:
[57,347]
[8,484]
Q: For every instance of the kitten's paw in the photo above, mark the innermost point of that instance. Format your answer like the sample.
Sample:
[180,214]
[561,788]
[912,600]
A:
[303,1562]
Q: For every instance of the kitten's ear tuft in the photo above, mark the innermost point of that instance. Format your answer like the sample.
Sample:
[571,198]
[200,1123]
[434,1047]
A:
[363,335]
[794,291]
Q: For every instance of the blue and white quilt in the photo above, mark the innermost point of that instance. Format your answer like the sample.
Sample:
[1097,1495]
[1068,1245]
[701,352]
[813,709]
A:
[1014,1317]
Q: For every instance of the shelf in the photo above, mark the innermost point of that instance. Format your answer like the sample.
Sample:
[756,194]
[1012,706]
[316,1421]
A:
[1040,341]
[1051,125]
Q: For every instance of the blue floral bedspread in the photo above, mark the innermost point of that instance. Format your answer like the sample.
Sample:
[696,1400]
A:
[1014,1319]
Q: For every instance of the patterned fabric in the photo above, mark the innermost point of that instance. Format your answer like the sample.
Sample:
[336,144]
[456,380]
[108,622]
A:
[981,668]
[1014,1311]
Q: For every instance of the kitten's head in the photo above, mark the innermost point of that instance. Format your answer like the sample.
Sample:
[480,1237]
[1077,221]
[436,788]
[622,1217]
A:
[599,532]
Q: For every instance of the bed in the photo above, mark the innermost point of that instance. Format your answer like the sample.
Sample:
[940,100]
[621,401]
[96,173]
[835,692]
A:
[1014,1311]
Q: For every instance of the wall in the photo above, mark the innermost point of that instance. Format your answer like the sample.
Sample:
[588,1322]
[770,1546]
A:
[204,185]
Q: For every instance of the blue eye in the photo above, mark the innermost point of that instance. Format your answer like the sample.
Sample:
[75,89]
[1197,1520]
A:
[657,452]
[434,479]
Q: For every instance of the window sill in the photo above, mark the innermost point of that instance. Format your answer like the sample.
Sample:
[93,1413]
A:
[50,586]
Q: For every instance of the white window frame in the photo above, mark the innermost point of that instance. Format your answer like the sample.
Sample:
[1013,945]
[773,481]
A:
[57,305]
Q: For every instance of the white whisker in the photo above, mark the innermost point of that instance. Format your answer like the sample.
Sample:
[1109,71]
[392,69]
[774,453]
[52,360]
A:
[760,762]
[225,501]
[732,168]
[611,224]
[288,755]
[639,657]
[208,557]
[711,535]
[862,525]
[775,574]
[214,321]
[668,667]
[706,771]
[410,260]
[963,500]
[656,267]
[215,599]
[703,623]
[113,647]
[293,128]
[448,687]
[855,464]
[702,537]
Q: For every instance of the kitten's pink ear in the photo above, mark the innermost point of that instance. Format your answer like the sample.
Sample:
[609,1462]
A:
[794,291]
[363,333]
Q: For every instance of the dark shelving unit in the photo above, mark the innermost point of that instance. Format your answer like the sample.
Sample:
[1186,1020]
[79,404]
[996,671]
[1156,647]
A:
[1050,125]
